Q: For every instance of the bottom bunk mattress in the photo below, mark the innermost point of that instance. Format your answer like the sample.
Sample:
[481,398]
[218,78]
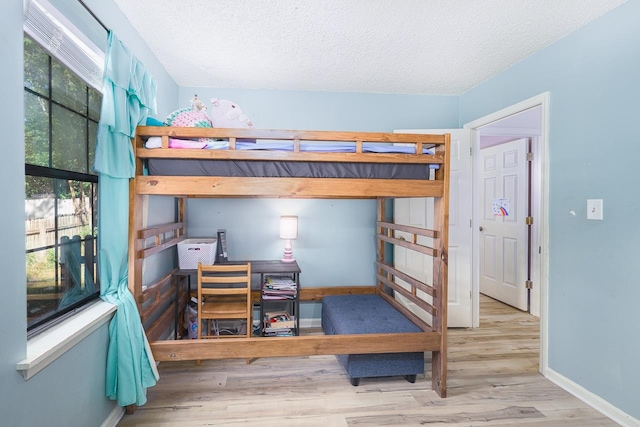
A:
[370,314]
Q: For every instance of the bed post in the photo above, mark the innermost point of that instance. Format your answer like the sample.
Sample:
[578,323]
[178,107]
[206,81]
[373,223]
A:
[380,249]
[135,224]
[440,272]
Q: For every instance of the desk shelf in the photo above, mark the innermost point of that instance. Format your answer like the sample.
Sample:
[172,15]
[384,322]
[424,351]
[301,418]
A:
[280,301]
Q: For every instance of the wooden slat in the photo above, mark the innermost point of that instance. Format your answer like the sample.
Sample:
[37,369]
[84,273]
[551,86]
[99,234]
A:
[409,245]
[326,137]
[409,229]
[227,348]
[144,253]
[164,323]
[225,291]
[226,268]
[405,277]
[223,280]
[161,296]
[154,287]
[203,186]
[316,294]
[411,297]
[161,229]
[279,134]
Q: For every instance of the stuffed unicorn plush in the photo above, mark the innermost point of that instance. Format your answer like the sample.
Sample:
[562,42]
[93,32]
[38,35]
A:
[226,114]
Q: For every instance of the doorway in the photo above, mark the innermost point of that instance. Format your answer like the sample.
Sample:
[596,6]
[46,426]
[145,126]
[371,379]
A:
[504,247]
[529,120]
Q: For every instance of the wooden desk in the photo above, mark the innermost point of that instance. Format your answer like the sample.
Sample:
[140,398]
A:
[261,267]
[257,267]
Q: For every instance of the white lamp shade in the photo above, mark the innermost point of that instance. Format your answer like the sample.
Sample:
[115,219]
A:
[289,227]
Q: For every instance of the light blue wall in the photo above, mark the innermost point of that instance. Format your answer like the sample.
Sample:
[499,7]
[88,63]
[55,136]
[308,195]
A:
[336,245]
[281,109]
[71,391]
[593,76]
[13,314]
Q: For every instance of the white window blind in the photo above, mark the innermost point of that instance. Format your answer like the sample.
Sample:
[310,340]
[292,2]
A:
[64,41]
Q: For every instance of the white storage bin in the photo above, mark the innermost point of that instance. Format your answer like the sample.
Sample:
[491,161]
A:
[192,251]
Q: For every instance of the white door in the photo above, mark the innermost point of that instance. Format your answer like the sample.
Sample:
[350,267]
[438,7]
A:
[503,250]
[419,212]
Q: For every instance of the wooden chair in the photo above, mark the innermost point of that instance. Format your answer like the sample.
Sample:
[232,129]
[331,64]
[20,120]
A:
[224,293]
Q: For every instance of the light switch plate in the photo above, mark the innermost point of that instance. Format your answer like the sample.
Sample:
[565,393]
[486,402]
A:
[594,209]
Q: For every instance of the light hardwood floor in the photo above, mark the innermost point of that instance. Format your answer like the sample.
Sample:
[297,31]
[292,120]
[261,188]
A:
[492,379]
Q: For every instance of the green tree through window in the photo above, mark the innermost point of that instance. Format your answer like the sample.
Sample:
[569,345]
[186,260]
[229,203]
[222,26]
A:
[61,121]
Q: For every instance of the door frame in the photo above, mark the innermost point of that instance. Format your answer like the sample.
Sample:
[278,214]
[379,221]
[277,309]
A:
[540,209]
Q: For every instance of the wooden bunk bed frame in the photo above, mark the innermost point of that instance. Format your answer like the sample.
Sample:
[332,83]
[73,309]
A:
[160,302]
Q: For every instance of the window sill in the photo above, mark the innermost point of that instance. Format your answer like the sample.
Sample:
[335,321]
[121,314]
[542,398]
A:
[45,348]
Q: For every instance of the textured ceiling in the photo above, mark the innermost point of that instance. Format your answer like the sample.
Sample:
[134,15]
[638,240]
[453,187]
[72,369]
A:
[443,47]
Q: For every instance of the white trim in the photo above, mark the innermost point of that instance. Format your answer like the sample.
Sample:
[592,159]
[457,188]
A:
[500,131]
[114,417]
[46,347]
[542,100]
[593,400]
[536,244]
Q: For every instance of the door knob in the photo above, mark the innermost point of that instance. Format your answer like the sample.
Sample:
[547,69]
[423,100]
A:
[481,228]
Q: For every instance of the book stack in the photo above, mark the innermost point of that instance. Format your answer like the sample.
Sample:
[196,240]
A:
[278,288]
[279,324]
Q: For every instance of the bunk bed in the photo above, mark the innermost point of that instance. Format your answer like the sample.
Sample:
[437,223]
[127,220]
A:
[308,164]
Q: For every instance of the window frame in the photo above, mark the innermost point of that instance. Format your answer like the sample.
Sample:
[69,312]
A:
[56,316]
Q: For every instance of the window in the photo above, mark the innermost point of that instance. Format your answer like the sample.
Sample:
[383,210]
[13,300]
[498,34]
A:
[61,122]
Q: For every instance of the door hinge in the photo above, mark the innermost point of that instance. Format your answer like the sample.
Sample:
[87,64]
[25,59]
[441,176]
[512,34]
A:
[471,151]
[528,284]
[529,220]
[529,157]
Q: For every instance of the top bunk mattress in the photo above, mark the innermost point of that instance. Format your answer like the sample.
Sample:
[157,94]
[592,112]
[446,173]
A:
[293,169]
[282,169]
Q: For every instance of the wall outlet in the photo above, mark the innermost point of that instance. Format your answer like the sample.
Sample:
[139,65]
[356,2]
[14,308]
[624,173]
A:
[594,209]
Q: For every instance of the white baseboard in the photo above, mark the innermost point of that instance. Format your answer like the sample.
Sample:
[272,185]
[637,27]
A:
[596,402]
[114,417]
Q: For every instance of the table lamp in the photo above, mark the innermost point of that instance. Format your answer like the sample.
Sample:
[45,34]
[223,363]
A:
[288,231]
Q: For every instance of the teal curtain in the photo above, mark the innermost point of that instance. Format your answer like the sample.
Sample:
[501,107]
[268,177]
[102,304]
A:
[128,95]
